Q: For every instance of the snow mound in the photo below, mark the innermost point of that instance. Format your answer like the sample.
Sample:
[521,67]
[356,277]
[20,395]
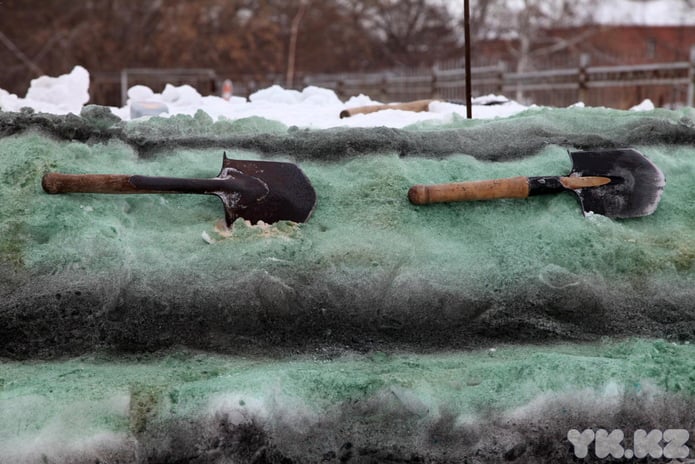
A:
[58,95]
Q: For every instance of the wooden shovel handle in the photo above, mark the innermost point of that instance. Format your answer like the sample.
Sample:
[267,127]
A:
[54,182]
[417,105]
[513,187]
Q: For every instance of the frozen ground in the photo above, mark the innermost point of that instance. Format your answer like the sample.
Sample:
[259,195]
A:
[134,329]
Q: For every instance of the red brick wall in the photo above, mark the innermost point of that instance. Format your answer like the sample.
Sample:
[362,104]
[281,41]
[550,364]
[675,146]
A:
[606,46]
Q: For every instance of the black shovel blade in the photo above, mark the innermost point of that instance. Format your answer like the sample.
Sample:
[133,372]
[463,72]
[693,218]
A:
[635,188]
[288,196]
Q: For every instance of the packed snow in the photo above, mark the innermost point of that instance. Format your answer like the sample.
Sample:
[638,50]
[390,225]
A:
[184,404]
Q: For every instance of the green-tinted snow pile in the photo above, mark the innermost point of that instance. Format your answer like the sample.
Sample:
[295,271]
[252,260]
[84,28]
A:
[184,405]
[498,140]
[368,270]
[327,316]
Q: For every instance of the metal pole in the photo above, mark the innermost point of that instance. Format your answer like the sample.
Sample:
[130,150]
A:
[294,32]
[691,82]
[467,38]
[124,86]
[583,77]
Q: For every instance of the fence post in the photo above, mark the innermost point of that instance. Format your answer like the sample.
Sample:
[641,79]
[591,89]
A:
[583,77]
[124,86]
[691,79]
[434,91]
[501,73]
[340,88]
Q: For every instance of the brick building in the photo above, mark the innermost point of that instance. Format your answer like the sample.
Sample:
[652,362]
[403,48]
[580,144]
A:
[602,45]
[607,45]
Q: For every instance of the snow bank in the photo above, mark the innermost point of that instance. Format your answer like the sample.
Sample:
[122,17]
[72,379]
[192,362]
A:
[313,107]
[57,95]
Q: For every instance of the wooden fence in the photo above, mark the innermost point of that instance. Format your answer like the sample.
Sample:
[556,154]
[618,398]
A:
[110,88]
[666,84]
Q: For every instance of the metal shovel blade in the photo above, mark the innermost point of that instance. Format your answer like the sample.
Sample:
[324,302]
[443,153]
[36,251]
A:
[290,195]
[635,188]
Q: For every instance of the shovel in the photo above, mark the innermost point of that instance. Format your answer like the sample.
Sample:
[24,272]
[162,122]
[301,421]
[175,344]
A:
[619,183]
[267,191]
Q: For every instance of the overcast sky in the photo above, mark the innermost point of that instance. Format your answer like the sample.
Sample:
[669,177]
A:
[649,12]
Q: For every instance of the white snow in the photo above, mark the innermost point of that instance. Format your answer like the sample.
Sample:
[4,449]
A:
[57,95]
[646,13]
[646,105]
[313,107]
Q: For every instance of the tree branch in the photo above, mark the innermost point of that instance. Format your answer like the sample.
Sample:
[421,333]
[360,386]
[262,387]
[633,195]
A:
[19,54]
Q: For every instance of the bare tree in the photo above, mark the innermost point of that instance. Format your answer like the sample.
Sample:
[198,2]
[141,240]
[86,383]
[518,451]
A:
[528,27]
[238,38]
[412,32]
